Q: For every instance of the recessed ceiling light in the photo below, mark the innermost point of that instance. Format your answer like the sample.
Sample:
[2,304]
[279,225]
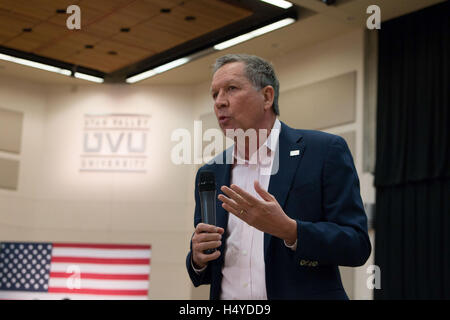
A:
[60,10]
[113,53]
[189,18]
[89,46]
[27,29]
[165,10]
[124,29]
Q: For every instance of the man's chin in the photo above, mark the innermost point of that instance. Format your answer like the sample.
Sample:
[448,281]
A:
[226,127]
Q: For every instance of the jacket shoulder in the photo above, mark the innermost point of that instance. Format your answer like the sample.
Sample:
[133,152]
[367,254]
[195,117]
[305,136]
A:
[319,138]
[320,142]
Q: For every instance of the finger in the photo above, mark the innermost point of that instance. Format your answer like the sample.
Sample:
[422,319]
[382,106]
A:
[229,201]
[205,237]
[244,194]
[205,258]
[234,211]
[263,193]
[241,202]
[202,246]
[203,227]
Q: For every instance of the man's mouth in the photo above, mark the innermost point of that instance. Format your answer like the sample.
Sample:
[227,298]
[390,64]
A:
[223,119]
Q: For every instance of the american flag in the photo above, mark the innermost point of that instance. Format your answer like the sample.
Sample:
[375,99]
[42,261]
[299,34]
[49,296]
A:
[74,271]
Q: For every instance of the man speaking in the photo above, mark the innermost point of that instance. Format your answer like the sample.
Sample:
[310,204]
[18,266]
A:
[280,235]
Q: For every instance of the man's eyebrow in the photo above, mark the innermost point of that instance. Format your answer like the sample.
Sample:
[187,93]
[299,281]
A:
[226,83]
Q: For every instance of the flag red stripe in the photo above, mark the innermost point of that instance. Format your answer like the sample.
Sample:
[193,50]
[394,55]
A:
[100,260]
[101,246]
[101,276]
[99,291]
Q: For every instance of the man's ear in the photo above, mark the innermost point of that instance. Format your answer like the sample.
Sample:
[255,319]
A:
[269,94]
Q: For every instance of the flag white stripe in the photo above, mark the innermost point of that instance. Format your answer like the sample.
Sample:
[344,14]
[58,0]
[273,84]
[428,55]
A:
[100,268]
[99,284]
[21,295]
[101,253]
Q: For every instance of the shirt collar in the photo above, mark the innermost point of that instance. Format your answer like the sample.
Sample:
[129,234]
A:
[270,143]
[272,139]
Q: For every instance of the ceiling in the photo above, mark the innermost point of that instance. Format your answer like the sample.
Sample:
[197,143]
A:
[121,36]
[316,22]
[114,33]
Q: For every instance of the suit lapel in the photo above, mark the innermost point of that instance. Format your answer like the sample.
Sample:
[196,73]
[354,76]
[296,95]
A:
[281,180]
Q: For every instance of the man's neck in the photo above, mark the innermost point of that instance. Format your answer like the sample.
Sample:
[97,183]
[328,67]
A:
[260,136]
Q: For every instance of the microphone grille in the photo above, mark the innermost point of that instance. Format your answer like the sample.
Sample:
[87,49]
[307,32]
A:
[207,181]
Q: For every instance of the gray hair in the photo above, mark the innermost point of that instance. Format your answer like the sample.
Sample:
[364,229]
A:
[258,71]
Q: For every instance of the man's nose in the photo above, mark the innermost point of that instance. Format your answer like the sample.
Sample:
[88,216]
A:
[221,100]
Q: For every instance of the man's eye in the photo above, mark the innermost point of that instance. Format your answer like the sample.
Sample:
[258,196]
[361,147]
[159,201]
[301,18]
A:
[231,88]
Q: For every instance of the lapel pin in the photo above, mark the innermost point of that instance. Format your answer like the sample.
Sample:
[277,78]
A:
[295,153]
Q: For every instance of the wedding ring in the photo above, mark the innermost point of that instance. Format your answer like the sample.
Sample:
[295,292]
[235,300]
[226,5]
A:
[242,211]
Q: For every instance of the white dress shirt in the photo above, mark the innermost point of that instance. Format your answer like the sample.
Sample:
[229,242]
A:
[243,270]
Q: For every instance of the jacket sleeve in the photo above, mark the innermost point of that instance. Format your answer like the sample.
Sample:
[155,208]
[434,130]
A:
[203,277]
[341,237]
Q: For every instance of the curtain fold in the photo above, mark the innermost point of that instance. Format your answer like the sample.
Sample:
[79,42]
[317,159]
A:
[412,173]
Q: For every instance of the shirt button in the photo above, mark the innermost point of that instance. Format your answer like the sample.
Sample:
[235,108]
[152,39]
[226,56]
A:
[245,285]
[244,252]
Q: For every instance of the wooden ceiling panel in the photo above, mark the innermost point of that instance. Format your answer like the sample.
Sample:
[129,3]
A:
[176,24]
[105,6]
[100,58]
[88,16]
[142,10]
[124,53]
[150,36]
[111,25]
[63,49]
[151,29]
[41,35]
[165,31]
[220,11]
[12,24]
[37,9]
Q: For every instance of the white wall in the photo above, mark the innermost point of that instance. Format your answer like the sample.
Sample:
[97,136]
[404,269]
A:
[57,202]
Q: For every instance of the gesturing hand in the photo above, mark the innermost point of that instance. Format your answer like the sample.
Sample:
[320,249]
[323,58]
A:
[265,215]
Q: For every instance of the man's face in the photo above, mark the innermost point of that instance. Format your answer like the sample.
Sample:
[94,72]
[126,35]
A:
[237,103]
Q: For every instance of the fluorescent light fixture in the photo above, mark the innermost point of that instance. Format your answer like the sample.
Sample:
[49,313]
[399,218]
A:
[37,65]
[88,77]
[279,3]
[171,65]
[253,34]
[155,71]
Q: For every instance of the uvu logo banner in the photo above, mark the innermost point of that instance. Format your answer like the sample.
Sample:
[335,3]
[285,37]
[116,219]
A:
[115,143]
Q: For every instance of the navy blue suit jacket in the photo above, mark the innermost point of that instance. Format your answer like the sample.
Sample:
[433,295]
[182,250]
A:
[319,188]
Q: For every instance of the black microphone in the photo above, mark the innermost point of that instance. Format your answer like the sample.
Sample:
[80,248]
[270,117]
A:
[207,191]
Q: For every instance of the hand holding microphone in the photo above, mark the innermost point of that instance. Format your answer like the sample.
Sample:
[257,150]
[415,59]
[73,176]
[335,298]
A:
[207,236]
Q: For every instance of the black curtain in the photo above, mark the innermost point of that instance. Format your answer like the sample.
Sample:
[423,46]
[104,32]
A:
[412,175]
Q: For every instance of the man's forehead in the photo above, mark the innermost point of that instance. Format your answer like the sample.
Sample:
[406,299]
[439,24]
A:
[229,72]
